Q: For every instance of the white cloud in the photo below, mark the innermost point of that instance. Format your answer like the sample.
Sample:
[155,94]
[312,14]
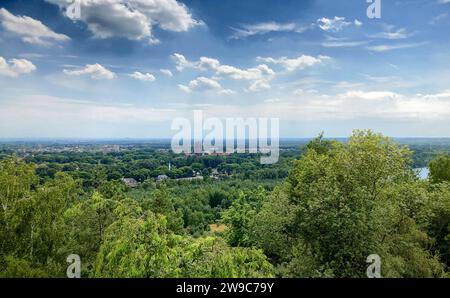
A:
[392,33]
[146,77]
[227,92]
[334,25]
[264,28]
[374,95]
[259,74]
[133,19]
[170,15]
[259,85]
[443,95]
[204,63]
[205,84]
[58,117]
[108,18]
[184,88]
[292,64]
[166,72]
[181,62]
[353,105]
[208,63]
[254,73]
[16,67]
[96,71]
[443,1]
[385,48]
[30,30]
[343,44]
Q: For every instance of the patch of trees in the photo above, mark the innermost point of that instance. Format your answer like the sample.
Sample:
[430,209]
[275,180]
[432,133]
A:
[339,203]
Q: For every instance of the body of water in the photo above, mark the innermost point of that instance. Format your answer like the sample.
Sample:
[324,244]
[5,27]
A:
[423,173]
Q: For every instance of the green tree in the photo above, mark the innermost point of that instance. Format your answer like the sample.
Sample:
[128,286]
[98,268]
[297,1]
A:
[350,201]
[238,218]
[138,247]
[440,169]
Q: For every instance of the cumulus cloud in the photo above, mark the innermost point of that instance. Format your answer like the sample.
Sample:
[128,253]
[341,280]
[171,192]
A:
[254,73]
[146,77]
[260,75]
[15,67]
[181,62]
[184,88]
[201,84]
[166,72]
[292,64]
[205,84]
[336,24]
[30,30]
[259,85]
[96,71]
[133,19]
[204,63]
[168,14]
[227,92]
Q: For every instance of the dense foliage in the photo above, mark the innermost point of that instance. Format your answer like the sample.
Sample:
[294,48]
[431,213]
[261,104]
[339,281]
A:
[318,213]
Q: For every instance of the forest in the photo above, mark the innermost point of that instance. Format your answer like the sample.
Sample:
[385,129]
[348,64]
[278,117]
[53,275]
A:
[318,213]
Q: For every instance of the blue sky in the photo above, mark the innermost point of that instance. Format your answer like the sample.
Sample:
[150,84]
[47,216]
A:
[128,68]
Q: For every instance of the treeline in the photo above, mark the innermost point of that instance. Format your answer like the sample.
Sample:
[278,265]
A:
[147,164]
[115,236]
[340,202]
[344,202]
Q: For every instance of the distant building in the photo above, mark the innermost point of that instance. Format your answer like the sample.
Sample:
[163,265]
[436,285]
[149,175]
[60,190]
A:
[215,174]
[110,148]
[130,182]
[162,178]
[207,153]
[191,178]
